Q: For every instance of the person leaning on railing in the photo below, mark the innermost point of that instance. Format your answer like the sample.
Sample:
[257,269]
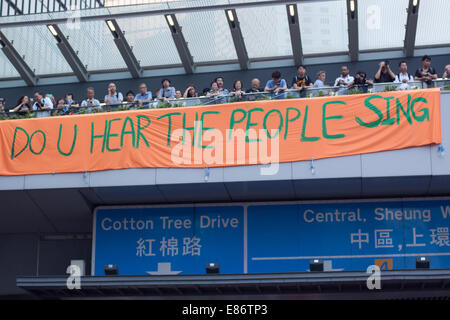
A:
[44,105]
[23,105]
[277,86]
[237,92]
[321,78]
[255,86]
[427,73]
[166,92]
[144,96]
[301,81]
[90,102]
[403,76]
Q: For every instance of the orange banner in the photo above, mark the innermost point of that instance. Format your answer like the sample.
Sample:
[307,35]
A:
[232,134]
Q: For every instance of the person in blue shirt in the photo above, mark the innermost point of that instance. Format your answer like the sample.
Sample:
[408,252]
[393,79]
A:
[277,86]
[167,92]
[113,97]
[144,97]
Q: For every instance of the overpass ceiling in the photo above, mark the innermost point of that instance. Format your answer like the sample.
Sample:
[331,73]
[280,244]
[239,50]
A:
[264,24]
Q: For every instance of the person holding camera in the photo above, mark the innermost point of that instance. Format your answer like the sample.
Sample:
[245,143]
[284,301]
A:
[384,73]
[41,104]
[427,73]
[361,82]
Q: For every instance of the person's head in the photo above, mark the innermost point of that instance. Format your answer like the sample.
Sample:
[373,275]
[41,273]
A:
[90,93]
[360,77]
[344,71]
[301,70]
[447,69]
[426,61]
[256,83]
[322,75]
[219,81]
[23,99]
[130,96]
[178,94]
[60,103]
[191,92]
[237,85]
[143,88]
[38,95]
[69,97]
[112,87]
[276,76]
[385,64]
[403,66]
[214,86]
[165,83]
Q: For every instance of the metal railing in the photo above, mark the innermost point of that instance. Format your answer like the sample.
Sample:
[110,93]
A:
[443,84]
[25,7]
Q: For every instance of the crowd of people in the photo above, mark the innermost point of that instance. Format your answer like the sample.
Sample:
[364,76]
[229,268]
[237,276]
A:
[276,86]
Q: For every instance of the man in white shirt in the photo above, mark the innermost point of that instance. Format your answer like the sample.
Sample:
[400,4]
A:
[403,76]
[42,105]
[345,79]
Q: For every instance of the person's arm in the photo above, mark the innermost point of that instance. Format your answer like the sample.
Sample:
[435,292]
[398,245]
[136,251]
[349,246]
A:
[120,97]
[294,84]
[267,88]
[433,73]
[283,85]
[396,80]
[17,108]
[378,74]
[369,82]
[444,75]
[418,76]
[186,92]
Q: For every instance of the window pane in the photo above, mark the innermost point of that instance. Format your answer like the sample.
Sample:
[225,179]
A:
[433,27]
[151,40]
[208,35]
[265,31]
[7,70]
[381,23]
[38,46]
[323,26]
[95,45]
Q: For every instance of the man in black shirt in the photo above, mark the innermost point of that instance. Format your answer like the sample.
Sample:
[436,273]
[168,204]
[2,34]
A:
[384,73]
[427,73]
[255,86]
[301,80]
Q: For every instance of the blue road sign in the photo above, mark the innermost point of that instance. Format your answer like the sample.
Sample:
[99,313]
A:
[171,240]
[270,238]
[348,236]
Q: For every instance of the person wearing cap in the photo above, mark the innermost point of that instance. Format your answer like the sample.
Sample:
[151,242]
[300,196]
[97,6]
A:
[427,73]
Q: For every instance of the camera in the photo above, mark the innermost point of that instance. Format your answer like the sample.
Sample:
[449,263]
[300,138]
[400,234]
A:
[386,62]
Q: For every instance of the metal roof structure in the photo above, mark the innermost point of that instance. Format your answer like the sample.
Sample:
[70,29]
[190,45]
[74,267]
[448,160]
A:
[194,36]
